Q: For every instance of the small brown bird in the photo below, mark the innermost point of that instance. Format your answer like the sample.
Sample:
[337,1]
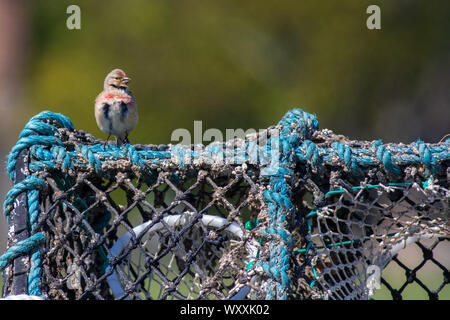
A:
[115,107]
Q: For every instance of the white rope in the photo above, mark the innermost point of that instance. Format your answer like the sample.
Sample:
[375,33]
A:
[22,297]
[173,221]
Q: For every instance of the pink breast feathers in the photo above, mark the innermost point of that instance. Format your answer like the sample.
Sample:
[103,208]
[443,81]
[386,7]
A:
[112,97]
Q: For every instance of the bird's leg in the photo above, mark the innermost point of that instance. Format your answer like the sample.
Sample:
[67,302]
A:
[121,140]
[106,142]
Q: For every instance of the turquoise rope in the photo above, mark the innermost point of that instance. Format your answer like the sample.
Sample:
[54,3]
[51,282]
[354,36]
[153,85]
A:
[20,248]
[296,126]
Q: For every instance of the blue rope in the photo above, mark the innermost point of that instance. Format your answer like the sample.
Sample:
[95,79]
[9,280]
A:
[50,153]
[35,267]
[296,126]
[28,184]
[20,248]
[295,145]
[38,132]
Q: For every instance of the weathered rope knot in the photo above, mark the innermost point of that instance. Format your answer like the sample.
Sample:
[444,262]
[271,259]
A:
[296,127]
[38,131]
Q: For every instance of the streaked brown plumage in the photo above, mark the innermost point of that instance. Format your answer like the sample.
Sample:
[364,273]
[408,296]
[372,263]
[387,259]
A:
[115,107]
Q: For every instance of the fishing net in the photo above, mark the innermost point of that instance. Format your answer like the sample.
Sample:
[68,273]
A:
[291,212]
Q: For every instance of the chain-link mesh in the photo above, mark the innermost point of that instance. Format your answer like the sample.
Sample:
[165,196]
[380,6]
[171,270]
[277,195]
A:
[368,226]
[430,276]
[188,243]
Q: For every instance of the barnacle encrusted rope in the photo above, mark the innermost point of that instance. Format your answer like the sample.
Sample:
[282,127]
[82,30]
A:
[296,126]
[39,131]
[294,155]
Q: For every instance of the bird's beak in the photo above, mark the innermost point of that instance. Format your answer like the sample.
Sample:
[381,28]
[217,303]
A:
[124,82]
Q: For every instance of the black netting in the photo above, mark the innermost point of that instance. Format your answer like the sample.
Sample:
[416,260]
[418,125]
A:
[421,274]
[191,244]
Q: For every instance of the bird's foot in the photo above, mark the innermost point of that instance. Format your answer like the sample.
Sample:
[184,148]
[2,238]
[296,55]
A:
[106,142]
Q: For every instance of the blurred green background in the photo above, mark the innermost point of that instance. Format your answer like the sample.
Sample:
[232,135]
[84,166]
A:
[231,64]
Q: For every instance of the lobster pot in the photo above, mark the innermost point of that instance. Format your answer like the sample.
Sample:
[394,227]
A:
[291,212]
